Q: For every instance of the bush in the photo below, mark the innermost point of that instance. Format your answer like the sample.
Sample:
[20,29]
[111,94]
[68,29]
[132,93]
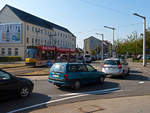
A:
[10,59]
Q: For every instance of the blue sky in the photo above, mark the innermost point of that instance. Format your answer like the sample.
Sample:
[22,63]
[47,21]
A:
[85,18]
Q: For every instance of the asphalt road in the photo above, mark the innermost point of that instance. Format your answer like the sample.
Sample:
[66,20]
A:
[137,83]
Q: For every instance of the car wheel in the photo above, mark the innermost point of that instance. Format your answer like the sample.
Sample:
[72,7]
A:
[128,72]
[101,80]
[58,85]
[76,85]
[24,92]
[124,75]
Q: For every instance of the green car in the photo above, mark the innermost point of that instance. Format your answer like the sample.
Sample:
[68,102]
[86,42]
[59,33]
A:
[74,75]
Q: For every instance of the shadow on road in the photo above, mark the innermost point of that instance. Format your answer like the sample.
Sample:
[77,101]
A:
[16,103]
[134,75]
[135,71]
[91,87]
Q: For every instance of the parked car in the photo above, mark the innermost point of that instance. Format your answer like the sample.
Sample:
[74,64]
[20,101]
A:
[14,86]
[80,59]
[87,58]
[74,75]
[115,67]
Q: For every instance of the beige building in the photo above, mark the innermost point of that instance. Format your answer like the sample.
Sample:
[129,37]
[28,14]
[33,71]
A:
[91,43]
[19,29]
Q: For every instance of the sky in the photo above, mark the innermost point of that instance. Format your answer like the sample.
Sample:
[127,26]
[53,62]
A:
[85,18]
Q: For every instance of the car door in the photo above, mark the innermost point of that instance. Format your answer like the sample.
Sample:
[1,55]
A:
[8,85]
[91,73]
[82,70]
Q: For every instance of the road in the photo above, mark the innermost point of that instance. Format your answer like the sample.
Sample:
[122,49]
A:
[137,83]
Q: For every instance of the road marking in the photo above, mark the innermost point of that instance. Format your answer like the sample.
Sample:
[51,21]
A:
[141,82]
[91,92]
[66,98]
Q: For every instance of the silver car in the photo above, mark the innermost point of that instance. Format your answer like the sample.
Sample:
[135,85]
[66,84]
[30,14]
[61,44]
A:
[115,67]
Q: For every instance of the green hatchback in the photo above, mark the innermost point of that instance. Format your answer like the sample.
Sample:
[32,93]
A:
[74,75]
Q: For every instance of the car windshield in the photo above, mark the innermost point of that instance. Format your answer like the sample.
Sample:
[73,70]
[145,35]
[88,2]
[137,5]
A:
[30,52]
[80,58]
[112,62]
[58,68]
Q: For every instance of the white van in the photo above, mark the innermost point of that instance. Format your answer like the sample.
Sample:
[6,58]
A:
[87,58]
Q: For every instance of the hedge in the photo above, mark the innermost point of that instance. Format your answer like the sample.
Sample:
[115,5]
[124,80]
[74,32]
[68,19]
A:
[10,59]
[140,60]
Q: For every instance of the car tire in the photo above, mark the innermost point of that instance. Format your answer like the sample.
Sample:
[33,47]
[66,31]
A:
[101,79]
[24,92]
[123,75]
[128,72]
[76,85]
[58,86]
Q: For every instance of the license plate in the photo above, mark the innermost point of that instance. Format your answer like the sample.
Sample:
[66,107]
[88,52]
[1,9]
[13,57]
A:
[55,75]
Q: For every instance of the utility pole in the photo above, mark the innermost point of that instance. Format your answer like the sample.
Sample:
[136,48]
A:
[113,29]
[102,46]
[144,38]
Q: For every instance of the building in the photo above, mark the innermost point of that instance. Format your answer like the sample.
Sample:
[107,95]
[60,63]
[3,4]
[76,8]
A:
[19,29]
[91,43]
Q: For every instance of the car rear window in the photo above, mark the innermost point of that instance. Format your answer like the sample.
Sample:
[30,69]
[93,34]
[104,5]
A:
[112,62]
[80,58]
[73,68]
[58,68]
[87,56]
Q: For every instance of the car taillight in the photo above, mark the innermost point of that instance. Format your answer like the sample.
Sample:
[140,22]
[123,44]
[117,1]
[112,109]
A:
[119,66]
[66,77]
[103,66]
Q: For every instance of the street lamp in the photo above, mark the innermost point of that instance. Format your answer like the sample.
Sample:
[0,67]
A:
[144,37]
[112,28]
[102,53]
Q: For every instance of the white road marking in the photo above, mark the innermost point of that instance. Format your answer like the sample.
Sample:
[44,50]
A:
[141,82]
[90,92]
[66,98]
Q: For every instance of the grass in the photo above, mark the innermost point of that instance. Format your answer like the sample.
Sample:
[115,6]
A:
[37,73]
[11,65]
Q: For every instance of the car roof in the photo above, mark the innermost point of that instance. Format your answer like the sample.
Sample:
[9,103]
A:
[112,59]
[65,63]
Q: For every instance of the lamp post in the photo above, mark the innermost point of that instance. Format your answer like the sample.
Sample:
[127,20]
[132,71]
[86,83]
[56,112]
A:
[102,50]
[113,29]
[144,37]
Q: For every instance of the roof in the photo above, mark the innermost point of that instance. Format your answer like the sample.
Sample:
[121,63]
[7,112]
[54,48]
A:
[92,37]
[26,17]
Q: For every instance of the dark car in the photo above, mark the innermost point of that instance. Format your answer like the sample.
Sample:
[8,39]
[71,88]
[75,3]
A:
[14,86]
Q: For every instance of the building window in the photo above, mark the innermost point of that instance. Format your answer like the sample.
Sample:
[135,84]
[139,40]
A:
[35,41]
[3,51]
[35,29]
[27,27]
[16,51]
[32,40]
[45,42]
[32,29]
[27,40]
[9,51]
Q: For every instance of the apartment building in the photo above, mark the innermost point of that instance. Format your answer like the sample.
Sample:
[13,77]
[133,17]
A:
[19,29]
[91,43]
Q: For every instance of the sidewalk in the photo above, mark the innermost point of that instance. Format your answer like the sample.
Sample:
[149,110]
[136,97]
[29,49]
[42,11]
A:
[137,104]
